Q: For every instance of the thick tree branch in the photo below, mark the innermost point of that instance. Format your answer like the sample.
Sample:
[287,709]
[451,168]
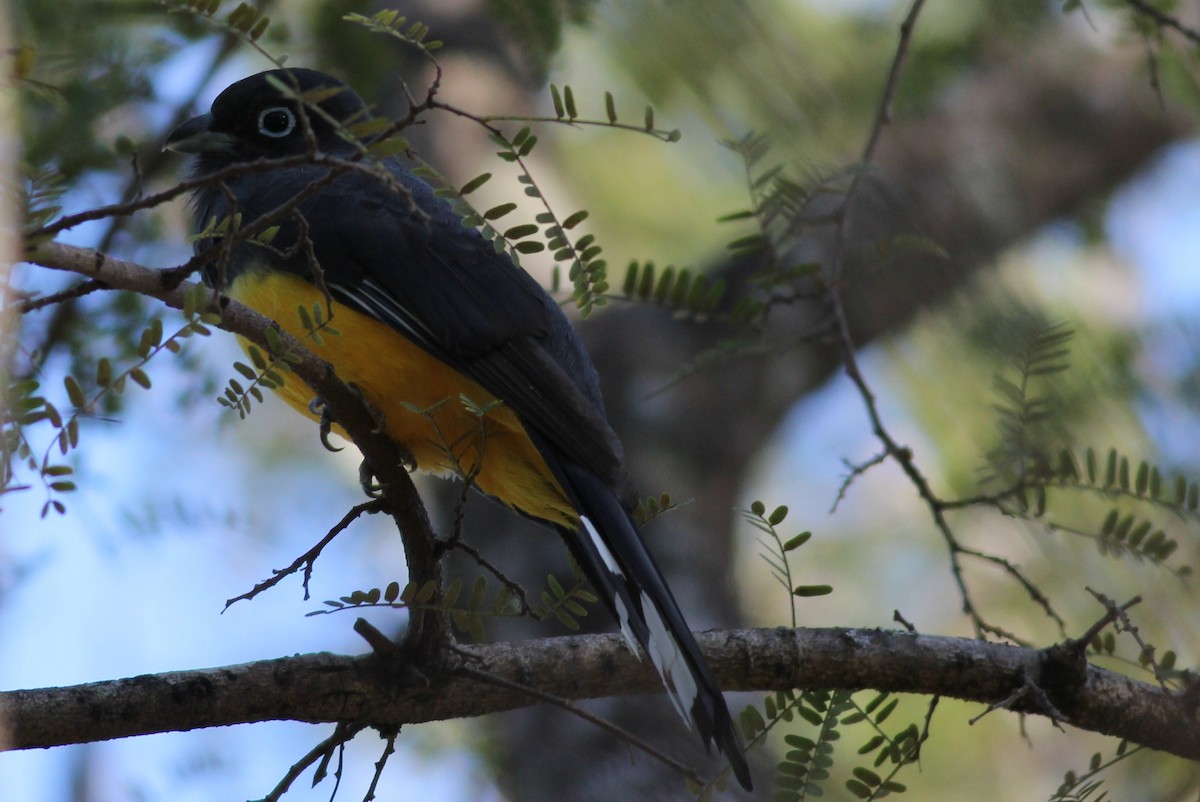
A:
[361,690]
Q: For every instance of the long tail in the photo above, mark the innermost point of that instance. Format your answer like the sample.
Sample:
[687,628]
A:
[616,560]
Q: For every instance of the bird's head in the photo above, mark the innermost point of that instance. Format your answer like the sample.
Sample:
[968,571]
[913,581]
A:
[260,117]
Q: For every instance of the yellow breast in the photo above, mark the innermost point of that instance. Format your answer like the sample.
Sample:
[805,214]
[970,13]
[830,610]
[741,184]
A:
[447,422]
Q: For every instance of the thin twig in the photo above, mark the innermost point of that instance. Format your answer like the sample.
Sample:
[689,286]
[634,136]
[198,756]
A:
[1164,20]
[1028,689]
[1032,589]
[388,750]
[342,733]
[1124,623]
[856,470]
[565,704]
[309,558]
[77,290]
[901,454]
[474,553]
[1112,613]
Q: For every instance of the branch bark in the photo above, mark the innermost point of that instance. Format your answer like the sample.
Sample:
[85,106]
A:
[324,687]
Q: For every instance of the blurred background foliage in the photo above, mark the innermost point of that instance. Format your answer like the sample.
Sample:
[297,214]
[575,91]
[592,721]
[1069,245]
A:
[1045,154]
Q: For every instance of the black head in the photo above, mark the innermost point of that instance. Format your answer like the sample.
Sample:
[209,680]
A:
[255,118]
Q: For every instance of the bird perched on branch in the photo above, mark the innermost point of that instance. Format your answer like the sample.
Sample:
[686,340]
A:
[473,367]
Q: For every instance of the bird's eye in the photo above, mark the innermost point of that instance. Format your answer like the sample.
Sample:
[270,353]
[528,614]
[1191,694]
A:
[276,122]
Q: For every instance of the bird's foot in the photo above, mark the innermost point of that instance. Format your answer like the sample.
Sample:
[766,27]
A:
[319,408]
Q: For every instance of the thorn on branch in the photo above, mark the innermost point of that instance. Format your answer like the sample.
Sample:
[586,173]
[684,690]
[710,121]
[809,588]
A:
[380,644]
[1029,696]
[904,622]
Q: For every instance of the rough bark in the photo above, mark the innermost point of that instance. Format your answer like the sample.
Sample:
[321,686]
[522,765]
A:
[332,688]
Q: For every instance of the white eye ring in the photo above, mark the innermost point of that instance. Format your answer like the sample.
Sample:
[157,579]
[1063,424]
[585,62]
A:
[273,130]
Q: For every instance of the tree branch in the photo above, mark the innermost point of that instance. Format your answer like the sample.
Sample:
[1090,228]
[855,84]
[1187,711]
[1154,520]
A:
[330,688]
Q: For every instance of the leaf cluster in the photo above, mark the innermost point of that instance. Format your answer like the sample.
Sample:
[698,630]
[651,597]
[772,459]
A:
[687,294]
[806,766]
[245,21]
[775,550]
[1038,350]
[25,406]
[651,507]
[1084,786]
[267,371]
[394,24]
[567,603]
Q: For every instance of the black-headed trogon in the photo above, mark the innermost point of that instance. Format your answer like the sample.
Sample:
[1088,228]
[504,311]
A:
[430,313]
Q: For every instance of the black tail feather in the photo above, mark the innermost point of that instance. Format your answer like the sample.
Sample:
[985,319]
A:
[617,562]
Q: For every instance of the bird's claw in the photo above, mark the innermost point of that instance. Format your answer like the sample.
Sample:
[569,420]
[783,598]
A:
[366,480]
[324,422]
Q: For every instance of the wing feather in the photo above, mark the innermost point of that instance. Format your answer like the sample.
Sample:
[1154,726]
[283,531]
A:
[446,288]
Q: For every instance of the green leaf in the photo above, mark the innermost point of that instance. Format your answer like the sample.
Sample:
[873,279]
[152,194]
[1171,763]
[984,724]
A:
[556,99]
[425,593]
[475,183]
[575,219]
[751,721]
[305,318]
[569,103]
[886,711]
[867,776]
[871,745]
[524,150]
[499,211]
[367,129]
[452,593]
[518,232]
[74,391]
[567,621]
[386,148]
[104,372]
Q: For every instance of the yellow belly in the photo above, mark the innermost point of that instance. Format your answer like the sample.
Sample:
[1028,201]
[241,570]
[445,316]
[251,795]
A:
[419,398]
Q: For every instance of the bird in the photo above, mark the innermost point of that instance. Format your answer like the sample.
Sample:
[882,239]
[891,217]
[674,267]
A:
[472,366]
